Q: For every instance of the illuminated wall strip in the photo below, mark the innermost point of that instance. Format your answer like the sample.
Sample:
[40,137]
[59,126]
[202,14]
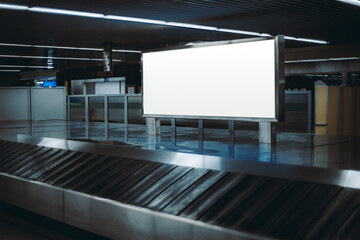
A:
[323,60]
[149,21]
[8,70]
[56,58]
[67,48]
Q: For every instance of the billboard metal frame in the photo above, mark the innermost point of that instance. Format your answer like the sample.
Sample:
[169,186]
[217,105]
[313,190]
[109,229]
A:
[279,80]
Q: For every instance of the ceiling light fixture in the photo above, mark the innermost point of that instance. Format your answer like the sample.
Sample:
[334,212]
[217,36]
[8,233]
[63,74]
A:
[152,21]
[13,6]
[8,70]
[238,31]
[132,19]
[67,48]
[311,40]
[306,40]
[56,58]
[19,66]
[352,2]
[290,38]
[66,12]
[193,26]
[125,51]
[264,35]
[323,60]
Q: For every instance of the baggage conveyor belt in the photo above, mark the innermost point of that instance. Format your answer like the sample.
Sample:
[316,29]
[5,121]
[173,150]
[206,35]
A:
[245,206]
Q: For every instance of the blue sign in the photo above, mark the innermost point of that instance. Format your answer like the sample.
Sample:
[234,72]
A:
[49,84]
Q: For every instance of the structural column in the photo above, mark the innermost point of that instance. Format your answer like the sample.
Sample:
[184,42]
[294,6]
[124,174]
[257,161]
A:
[267,132]
[107,55]
[153,126]
[344,78]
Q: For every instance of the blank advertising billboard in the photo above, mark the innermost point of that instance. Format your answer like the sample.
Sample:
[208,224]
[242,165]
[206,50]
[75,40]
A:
[236,80]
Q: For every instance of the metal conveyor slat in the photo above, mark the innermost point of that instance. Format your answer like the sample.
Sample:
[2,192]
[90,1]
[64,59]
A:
[269,206]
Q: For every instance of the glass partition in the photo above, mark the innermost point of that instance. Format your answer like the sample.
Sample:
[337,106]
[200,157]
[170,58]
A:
[116,109]
[135,110]
[96,109]
[77,108]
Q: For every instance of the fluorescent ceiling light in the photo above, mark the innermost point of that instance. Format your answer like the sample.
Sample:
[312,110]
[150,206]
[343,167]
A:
[132,19]
[188,25]
[306,40]
[15,45]
[66,12]
[19,66]
[352,2]
[57,58]
[290,38]
[77,48]
[264,35]
[244,32]
[347,58]
[68,48]
[13,7]
[324,60]
[311,40]
[238,31]
[268,35]
[125,51]
[150,21]
[81,59]
[8,70]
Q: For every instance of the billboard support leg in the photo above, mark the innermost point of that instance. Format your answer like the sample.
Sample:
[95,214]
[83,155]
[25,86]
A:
[153,126]
[267,132]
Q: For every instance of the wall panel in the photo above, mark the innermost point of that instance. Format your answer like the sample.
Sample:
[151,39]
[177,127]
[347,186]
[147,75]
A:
[14,103]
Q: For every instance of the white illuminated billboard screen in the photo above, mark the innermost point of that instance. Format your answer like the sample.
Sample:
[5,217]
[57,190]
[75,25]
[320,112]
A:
[229,81]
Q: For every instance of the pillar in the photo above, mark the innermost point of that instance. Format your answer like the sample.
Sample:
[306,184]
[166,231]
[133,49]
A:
[107,56]
[344,78]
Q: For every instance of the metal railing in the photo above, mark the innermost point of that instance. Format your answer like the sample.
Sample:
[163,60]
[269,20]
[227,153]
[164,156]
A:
[127,109]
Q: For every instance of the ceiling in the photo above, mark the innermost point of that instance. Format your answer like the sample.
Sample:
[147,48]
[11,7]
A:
[329,20]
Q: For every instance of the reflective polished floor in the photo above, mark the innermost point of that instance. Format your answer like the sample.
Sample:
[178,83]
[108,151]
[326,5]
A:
[291,148]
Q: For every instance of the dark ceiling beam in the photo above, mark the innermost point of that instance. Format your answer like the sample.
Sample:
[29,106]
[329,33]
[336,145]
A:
[38,74]
[323,52]
[322,67]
